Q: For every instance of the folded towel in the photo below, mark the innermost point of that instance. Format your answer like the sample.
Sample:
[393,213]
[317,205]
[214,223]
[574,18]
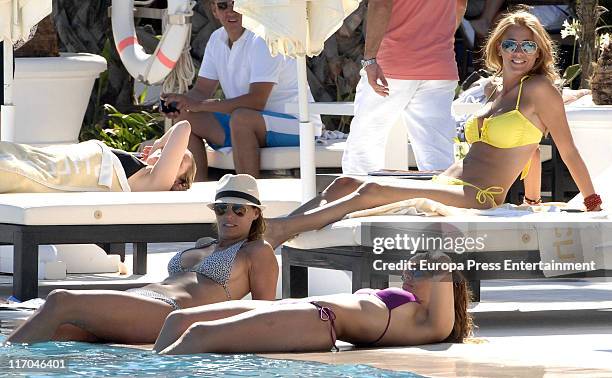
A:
[87,166]
[330,135]
[427,207]
[415,206]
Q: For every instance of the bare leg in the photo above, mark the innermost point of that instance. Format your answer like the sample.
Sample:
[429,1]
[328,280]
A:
[368,195]
[248,135]
[197,148]
[105,314]
[274,328]
[69,332]
[179,321]
[204,125]
[340,187]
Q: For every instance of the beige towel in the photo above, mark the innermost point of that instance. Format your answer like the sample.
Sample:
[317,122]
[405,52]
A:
[83,167]
[415,206]
[429,208]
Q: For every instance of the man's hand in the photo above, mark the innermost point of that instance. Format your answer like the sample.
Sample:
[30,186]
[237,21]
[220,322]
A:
[183,103]
[376,79]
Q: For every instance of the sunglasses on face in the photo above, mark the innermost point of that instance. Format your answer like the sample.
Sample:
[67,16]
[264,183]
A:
[509,46]
[221,208]
[414,274]
[223,5]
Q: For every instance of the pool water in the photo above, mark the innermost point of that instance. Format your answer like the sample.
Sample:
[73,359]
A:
[94,360]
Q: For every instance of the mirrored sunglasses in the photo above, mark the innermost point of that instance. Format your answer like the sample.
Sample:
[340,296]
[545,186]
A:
[414,274]
[509,46]
[223,5]
[221,208]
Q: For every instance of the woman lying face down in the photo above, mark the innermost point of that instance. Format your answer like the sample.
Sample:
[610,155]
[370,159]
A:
[430,307]
[239,262]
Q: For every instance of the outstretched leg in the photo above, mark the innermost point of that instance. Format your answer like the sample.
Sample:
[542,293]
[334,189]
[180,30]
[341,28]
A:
[368,195]
[342,186]
[273,328]
[179,321]
[103,314]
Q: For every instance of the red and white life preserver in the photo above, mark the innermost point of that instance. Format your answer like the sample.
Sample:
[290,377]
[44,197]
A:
[150,69]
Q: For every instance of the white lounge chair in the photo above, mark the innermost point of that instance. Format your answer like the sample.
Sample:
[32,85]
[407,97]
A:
[28,220]
[329,155]
[341,246]
[399,154]
[524,236]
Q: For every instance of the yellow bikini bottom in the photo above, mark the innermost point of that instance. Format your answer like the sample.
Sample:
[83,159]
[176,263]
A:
[481,196]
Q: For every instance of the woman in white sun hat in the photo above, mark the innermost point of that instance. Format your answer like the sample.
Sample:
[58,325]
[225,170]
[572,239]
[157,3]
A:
[237,263]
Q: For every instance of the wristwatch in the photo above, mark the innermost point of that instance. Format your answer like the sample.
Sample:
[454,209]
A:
[367,62]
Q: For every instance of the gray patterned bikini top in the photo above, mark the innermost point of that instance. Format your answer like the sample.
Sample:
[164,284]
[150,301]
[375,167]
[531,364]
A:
[217,266]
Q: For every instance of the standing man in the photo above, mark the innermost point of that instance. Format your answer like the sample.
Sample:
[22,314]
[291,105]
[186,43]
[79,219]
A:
[409,71]
[256,86]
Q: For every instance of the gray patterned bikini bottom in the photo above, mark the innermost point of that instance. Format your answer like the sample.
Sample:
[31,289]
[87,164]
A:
[154,295]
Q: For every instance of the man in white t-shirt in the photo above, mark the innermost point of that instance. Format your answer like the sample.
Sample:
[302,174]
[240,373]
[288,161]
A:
[256,86]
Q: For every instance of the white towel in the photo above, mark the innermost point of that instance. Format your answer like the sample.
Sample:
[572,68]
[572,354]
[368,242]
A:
[330,135]
[87,166]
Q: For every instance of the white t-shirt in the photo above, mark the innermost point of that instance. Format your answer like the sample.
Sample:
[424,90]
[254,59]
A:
[249,61]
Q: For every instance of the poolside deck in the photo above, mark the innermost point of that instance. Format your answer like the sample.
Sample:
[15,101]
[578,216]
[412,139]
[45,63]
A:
[526,328]
[536,333]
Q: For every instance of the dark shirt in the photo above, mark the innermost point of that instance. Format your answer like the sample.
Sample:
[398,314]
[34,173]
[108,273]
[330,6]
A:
[130,163]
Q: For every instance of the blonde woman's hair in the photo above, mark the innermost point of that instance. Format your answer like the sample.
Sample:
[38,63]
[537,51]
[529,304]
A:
[188,177]
[258,227]
[545,63]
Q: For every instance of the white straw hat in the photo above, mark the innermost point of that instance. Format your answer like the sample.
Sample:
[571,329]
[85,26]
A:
[240,189]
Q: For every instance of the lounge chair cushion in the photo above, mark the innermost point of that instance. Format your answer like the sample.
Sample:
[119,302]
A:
[507,233]
[136,207]
[327,155]
[273,158]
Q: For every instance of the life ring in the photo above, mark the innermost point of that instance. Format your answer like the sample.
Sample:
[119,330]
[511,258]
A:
[151,69]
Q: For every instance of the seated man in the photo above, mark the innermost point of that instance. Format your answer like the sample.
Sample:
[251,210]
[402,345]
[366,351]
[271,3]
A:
[257,87]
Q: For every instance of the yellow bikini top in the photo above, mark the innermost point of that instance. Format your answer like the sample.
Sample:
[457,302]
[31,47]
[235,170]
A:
[507,130]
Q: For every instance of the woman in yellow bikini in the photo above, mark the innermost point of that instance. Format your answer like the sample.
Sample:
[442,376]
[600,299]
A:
[504,134]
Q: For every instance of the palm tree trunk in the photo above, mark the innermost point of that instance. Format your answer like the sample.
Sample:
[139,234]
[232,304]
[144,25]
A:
[42,44]
[588,12]
[84,26]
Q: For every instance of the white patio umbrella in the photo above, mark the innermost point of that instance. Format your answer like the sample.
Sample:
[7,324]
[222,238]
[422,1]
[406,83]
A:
[297,28]
[17,18]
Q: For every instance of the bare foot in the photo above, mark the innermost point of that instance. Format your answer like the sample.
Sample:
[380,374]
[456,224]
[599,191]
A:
[275,232]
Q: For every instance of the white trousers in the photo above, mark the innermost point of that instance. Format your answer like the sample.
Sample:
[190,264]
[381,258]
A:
[425,106]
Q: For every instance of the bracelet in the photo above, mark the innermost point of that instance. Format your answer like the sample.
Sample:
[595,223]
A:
[591,202]
[529,201]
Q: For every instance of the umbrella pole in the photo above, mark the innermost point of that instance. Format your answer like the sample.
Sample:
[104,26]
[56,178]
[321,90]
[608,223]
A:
[7,112]
[307,136]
